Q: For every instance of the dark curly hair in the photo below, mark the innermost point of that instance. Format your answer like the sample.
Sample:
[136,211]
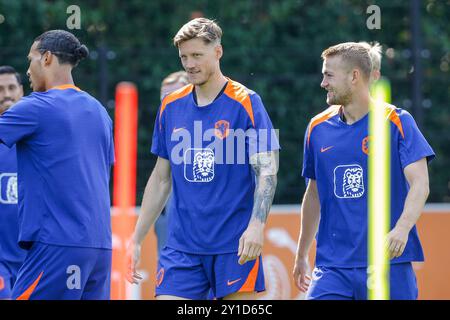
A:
[64,45]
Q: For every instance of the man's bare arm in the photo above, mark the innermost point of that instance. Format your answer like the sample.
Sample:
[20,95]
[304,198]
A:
[265,166]
[417,176]
[310,217]
[155,197]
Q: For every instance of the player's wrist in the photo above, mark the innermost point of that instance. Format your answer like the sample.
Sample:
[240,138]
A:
[256,224]
[302,256]
[136,240]
[404,225]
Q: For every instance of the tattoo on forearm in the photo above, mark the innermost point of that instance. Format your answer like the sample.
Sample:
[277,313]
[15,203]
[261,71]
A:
[265,167]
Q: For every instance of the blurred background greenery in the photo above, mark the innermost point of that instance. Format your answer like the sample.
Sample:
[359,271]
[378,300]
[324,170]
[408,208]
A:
[273,47]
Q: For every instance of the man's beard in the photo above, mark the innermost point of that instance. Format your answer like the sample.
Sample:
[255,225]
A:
[341,99]
[208,76]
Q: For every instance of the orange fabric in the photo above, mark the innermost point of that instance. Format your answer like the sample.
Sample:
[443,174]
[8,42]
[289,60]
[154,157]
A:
[249,285]
[393,116]
[26,295]
[66,86]
[321,117]
[365,145]
[238,92]
[178,94]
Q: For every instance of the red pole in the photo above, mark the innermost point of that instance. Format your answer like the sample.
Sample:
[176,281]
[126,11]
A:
[124,195]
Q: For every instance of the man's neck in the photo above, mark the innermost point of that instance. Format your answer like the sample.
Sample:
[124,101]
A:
[207,92]
[58,80]
[356,109]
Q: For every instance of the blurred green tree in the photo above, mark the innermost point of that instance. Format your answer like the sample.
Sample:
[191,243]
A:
[273,47]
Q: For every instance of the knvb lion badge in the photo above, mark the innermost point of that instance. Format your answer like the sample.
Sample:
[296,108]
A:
[8,188]
[349,181]
[199,165]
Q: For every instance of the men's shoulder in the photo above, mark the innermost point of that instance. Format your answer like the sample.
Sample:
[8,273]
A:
[399,117]
[321,118]
[237,91]
[246,98]
[177,94]
[328,113]
[235,88]
[393,111]
[93,101]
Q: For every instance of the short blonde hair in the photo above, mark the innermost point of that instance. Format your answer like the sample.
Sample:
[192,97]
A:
[202,28]
[375,53]
[352,53]
[176,77]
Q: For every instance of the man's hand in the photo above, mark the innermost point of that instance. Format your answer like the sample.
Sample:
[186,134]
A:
[301,273]
[133,257]
[396,241]
[251,242]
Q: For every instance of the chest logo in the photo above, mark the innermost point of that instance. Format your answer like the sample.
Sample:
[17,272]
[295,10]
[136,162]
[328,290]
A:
[325,149]
[201,162]
[8,188]
[349,181]
[221,129]
[365,145]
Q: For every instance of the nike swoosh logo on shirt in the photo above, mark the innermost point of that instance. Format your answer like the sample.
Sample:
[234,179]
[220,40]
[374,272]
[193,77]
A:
[325,149]
[230,283]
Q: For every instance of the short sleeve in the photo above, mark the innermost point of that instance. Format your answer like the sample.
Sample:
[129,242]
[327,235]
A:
[112,156]
[159,147]
[262,136]
[412,145]
[308,170]
[18,122]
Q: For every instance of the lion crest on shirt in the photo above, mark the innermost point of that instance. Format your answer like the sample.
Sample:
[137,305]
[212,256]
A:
[349,181]
[11,190]
[353,182]
[8,188]
[203,166]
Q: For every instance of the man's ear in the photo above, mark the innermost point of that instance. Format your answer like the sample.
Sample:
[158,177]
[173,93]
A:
[219,51]
[47,57]
[355,75]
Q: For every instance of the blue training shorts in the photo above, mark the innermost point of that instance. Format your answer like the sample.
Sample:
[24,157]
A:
[8,274]
[351,283]
[193,276]
[53,272]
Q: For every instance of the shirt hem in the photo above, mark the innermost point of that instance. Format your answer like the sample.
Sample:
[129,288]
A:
[365,265]
[78,245]
[200,252]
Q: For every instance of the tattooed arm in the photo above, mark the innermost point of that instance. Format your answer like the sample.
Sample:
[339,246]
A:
[265,166]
